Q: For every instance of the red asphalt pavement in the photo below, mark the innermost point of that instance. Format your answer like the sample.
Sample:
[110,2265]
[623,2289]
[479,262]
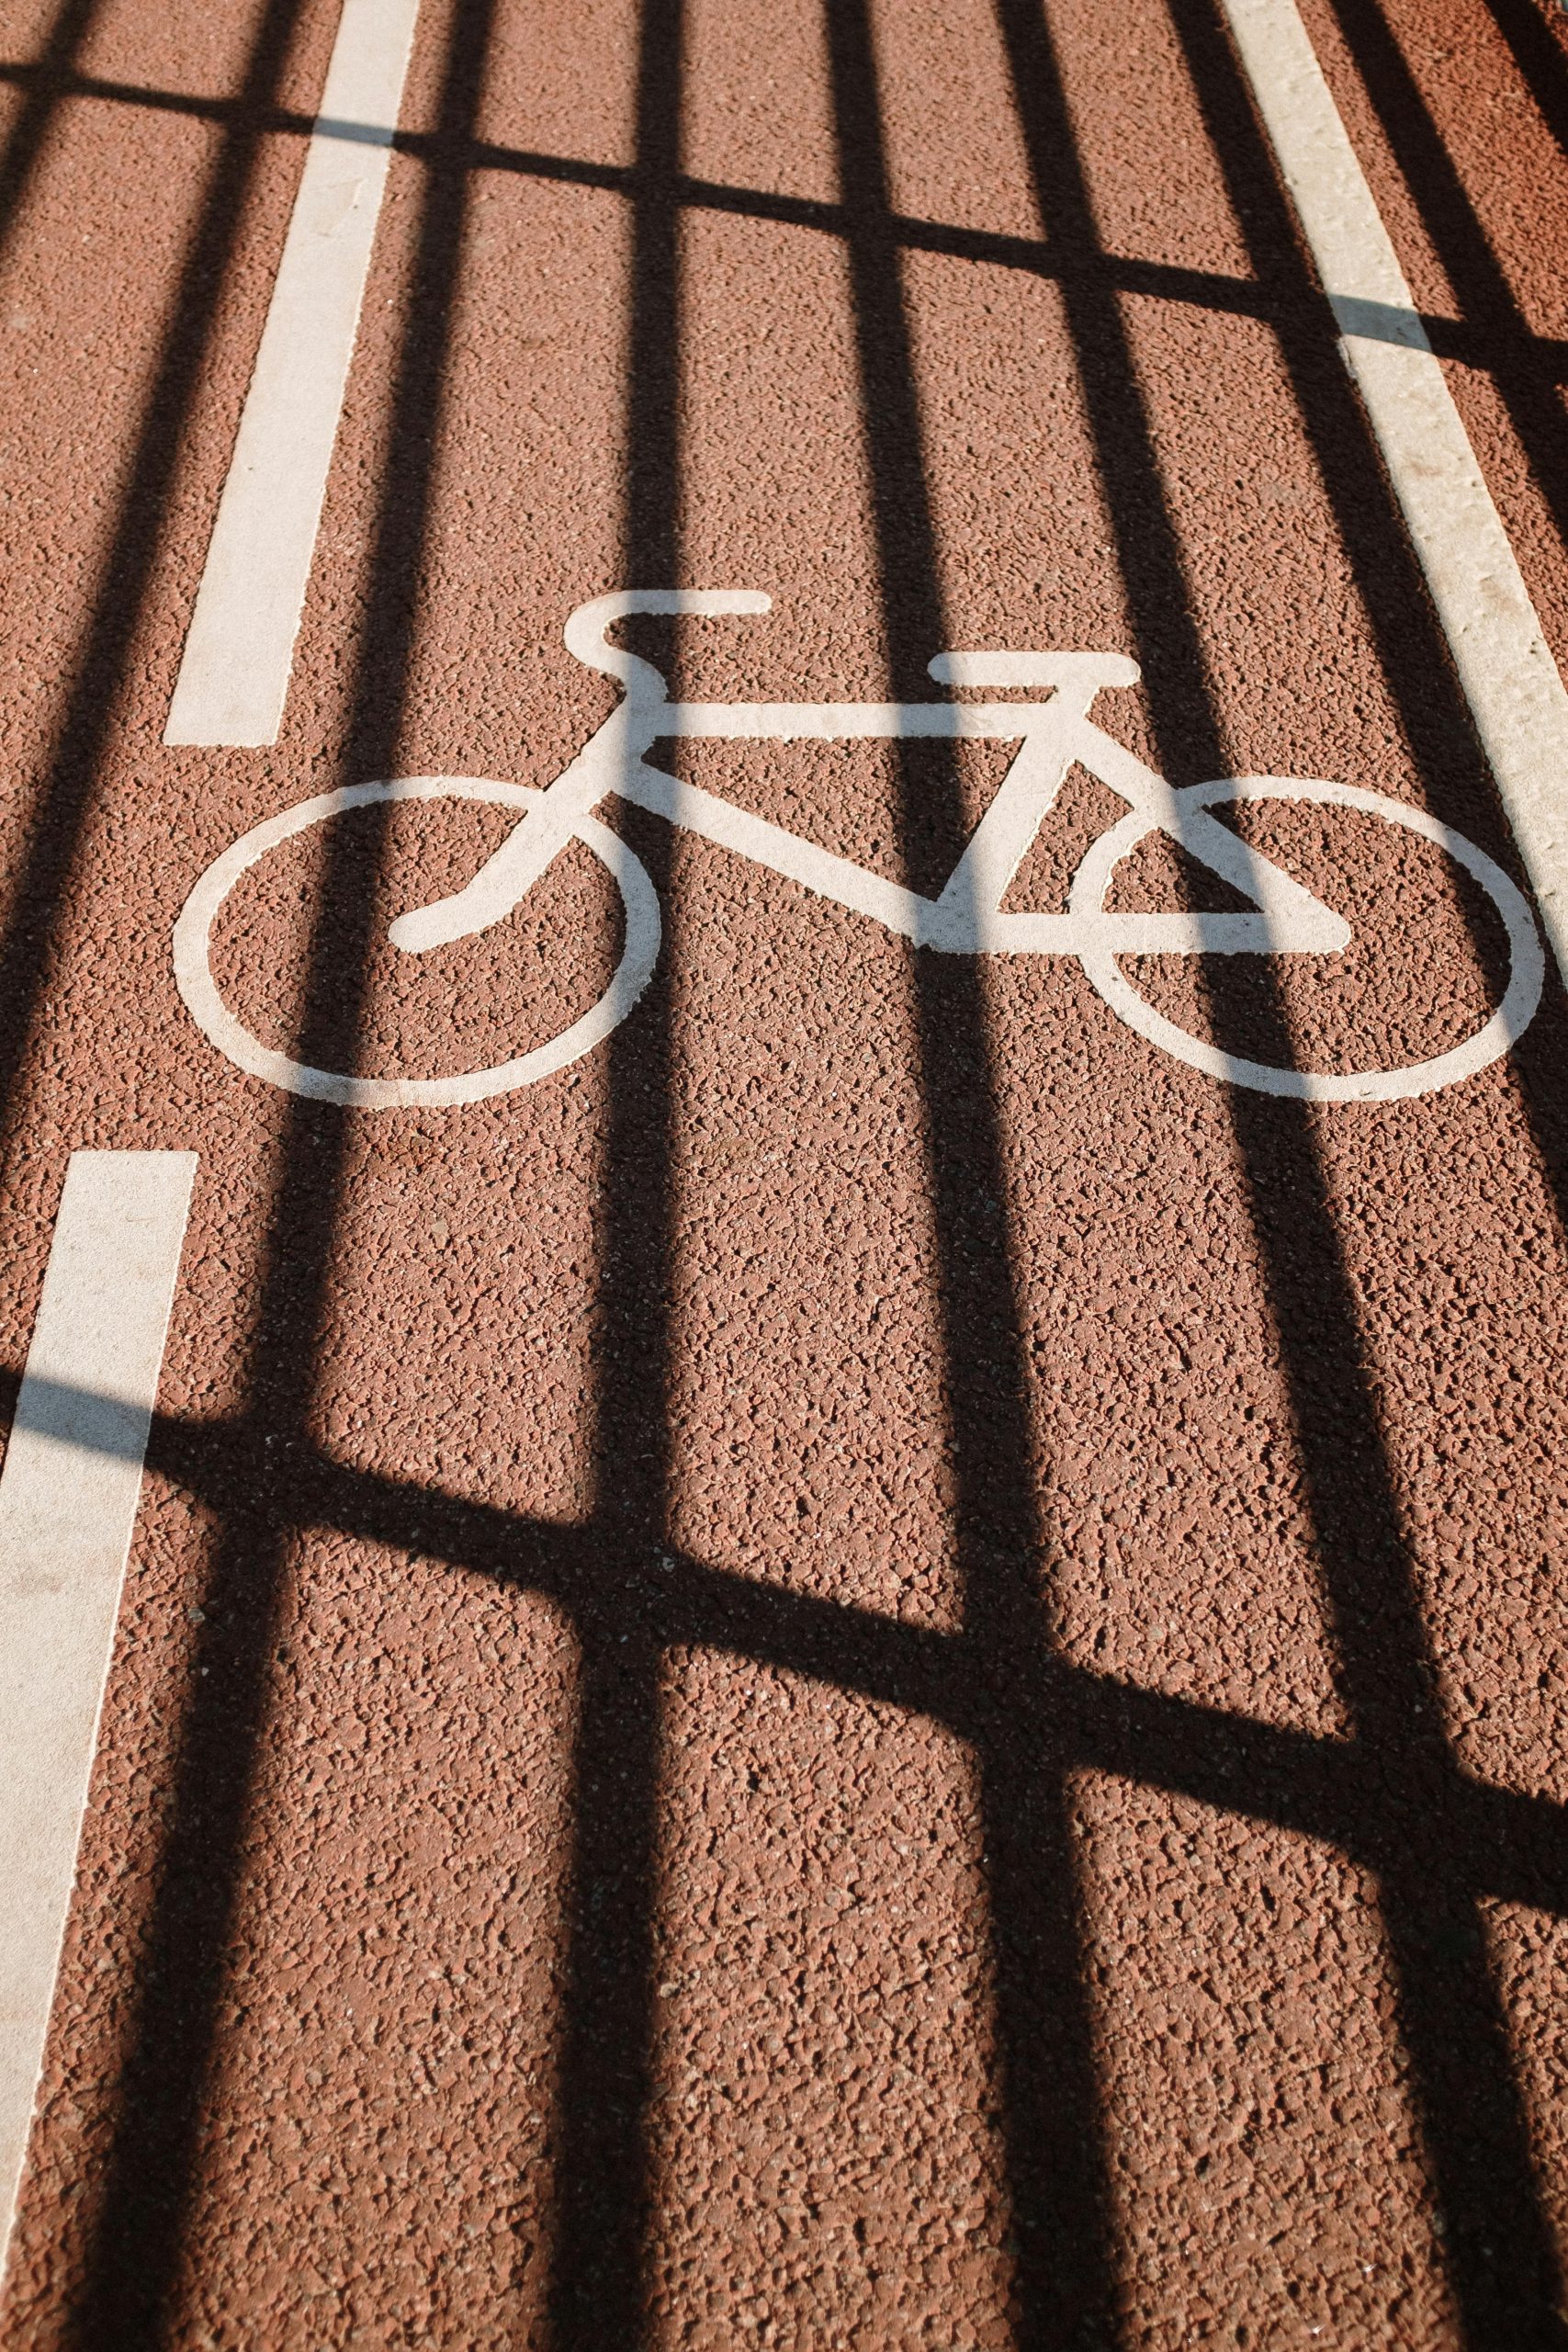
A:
[878,1668]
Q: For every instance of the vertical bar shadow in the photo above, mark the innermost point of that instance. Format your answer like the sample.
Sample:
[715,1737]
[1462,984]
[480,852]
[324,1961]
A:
[1051,2099]
[93,695]
[1431,704]
[1541,57]
[597,2292]
[1487,298]
[127,2297]
[48,87]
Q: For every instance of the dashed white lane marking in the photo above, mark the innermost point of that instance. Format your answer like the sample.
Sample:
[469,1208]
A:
[234,676]
[68,1497]
[1505,668]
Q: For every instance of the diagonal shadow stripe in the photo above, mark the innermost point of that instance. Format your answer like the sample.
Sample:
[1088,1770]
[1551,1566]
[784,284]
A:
[151,2174]
[1513,1845]
[1502,344]
[70,771]
[1496,1843]
[1301,1781]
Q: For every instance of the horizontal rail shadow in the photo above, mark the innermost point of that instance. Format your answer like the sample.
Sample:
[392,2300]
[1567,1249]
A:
[1543,356]
[1516,1845]
[1504,1845]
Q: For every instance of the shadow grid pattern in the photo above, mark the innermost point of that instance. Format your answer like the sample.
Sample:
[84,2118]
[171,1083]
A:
[1392,1796]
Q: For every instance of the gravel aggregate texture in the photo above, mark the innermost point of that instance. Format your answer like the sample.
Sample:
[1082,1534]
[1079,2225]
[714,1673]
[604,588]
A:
[878,1669]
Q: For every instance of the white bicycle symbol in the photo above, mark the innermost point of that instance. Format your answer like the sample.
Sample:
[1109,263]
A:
[966,919]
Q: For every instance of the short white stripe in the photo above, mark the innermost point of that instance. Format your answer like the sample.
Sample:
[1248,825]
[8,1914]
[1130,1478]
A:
[1505,668]
[234,677]
[68,1497]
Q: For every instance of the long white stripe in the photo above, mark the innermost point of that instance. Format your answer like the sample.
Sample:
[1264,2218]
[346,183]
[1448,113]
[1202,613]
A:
[234,676]
[68,1497]
[1505,668]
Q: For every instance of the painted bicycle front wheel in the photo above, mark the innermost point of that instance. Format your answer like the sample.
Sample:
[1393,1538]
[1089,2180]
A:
[1385,921]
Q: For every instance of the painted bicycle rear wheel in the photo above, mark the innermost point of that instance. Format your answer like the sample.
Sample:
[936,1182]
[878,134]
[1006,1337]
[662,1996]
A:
[193,950]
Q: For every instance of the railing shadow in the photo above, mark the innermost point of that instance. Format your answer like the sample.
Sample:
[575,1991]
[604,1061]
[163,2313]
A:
[1540,58]
[1479,279]
[48,85]
[149,2176]
[1499,2252]
[599,2255]
[92,695]
[1393,1795]
[1050,2101]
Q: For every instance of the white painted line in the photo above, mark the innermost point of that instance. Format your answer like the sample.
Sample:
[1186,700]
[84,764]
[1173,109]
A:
[234,676]
[68,1497]
[1505,668]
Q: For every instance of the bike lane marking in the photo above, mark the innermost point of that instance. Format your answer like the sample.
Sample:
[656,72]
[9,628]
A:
[1510,680]
[68,1500]
[965,917]
[239,653]
[807,1201]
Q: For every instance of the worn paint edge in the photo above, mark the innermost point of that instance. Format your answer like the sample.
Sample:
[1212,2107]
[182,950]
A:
[69,1492]
[239,653]
[1506,667]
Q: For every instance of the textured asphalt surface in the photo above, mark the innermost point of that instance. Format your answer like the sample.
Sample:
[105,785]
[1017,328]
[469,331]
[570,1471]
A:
[878,1670]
